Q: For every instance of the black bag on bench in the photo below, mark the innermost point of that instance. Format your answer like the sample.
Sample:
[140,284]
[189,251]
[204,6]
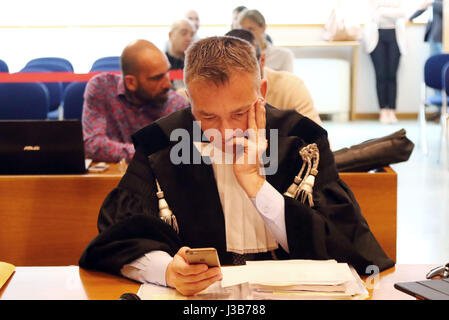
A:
[374,153]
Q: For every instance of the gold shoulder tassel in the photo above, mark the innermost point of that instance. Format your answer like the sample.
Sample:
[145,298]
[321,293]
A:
[165,213]
[303,185]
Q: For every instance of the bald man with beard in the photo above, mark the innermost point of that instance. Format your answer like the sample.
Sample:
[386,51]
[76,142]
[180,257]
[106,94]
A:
[118,105]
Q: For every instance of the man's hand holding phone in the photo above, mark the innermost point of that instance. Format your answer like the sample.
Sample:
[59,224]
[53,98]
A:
[190,278]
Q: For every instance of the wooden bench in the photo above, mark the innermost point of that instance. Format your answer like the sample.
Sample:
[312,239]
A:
[48,220]
[376,194]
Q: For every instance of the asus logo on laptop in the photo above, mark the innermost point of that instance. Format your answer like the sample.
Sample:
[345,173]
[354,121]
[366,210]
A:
[31,148]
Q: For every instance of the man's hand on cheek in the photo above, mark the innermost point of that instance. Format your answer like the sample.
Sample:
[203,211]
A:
[250,149]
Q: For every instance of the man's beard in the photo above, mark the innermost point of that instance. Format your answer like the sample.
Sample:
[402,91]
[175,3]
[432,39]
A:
[157,101]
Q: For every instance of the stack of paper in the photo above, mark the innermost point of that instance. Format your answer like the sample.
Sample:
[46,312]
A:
[296,279]
[285,279]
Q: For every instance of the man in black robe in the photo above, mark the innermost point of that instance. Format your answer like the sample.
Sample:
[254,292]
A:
[289,203]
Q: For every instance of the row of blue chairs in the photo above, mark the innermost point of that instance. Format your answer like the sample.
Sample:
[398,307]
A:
[52,100]
[32,101]
[57,64]
[436,77]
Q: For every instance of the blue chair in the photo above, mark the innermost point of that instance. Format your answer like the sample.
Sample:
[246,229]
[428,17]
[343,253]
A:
[50,66]
[105,67]
[73,100]
[3,66]
[444,118]
[106,64]
[53,67]
[51,61]
[54,90]
[114,59]
[23,101]
[433,69]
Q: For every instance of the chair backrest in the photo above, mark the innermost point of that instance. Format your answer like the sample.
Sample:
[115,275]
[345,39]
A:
[445,78]
[432,70]
[73,100]
[106,64]
[51,61]
[53,67]
[105,67]
[3,66]
[23,101]
[55,89]
[115,59]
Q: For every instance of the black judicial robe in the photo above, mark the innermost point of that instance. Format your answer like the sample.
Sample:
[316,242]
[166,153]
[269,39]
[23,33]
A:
[129,226]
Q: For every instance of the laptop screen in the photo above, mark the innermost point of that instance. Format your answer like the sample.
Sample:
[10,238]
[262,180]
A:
[41,147]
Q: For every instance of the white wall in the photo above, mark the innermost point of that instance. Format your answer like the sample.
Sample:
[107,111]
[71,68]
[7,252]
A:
[82,45]
[410,73]
[85,30]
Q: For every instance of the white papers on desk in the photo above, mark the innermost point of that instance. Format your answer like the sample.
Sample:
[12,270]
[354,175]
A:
[290,279]
[277,279]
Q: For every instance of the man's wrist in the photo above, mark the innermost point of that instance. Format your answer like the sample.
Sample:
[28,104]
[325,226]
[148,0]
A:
[168,275]
[252,185]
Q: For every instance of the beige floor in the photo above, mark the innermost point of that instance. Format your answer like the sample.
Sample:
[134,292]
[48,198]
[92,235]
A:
[423,189]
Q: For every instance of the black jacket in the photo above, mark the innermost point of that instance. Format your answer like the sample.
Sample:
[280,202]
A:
[129,225]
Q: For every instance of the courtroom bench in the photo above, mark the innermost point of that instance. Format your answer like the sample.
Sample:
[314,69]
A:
[48,220]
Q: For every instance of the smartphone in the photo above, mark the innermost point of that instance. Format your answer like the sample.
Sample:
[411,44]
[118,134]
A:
[99,167]
[207,256]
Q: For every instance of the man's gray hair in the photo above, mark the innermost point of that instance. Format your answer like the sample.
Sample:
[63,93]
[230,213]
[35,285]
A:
[253,15]
[178,23]
[216,58]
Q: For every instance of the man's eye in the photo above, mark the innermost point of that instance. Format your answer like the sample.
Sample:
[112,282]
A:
[158,77]
[239,114]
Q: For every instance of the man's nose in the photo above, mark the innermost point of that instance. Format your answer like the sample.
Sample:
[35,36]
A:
[226,130]
[166,82]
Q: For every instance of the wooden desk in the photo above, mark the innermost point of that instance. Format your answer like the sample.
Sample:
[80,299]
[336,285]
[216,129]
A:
[354,45]
[376,194]
[71,282]
[48,220]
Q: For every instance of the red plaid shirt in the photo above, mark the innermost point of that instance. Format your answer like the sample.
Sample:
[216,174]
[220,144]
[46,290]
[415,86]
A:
[109,119]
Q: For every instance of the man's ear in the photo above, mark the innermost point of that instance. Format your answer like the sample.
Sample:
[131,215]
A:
[131,82]
[187,94]
[263,88]
[262,60]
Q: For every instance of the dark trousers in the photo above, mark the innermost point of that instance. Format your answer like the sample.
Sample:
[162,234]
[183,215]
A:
[385,59]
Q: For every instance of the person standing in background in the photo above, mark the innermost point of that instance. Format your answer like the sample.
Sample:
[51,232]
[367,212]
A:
[434,27]
[194,18]
[285,90]
[277,58]
[235,17]
[180,37]
[385,42]
[236,24]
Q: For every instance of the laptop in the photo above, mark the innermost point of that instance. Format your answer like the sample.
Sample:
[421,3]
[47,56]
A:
[41,147]
[436,289]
